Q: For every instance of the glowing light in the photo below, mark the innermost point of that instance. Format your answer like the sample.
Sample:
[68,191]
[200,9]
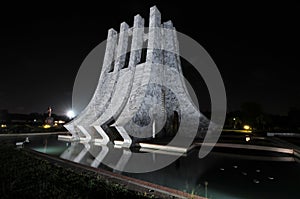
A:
[3,126]
[234,118]
[58,122]
[70,114]
[46,126]
[248,139]
[246,127]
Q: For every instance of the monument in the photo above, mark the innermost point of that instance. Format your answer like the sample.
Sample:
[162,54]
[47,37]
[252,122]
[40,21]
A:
[141,92]
[49,120]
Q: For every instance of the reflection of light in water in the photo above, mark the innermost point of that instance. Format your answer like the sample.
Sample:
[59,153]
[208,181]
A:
[82,153]
[123,160]
[206,183]
[50,150]
[101,155]
[216,190]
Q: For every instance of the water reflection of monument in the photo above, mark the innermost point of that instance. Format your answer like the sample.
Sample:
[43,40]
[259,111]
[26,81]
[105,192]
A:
[93,154]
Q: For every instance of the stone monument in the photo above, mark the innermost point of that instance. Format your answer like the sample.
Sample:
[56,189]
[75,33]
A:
[141,92]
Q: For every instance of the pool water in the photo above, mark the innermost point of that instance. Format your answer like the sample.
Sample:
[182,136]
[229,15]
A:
[223,174]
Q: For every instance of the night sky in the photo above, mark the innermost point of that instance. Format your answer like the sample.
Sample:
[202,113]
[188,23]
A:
[255,46]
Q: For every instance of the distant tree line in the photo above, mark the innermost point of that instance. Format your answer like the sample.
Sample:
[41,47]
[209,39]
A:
[252,114]
[33,122]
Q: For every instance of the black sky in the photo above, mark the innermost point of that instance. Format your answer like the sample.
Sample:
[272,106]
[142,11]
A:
[255,46]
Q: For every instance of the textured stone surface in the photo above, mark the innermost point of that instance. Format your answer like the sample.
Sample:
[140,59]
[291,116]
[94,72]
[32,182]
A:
[90,110]
[105,87]
[145,100]
[125,81]
[154,54]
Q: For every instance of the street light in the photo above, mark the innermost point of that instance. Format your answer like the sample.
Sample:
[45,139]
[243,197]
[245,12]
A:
[70,114]
[246,127]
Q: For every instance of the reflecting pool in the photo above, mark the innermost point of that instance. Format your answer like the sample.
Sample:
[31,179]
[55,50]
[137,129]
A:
[225,173]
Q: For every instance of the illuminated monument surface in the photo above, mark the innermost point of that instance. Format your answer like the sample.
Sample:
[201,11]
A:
[141,92]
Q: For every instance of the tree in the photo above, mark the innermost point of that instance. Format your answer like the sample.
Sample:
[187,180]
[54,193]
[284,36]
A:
[252,112]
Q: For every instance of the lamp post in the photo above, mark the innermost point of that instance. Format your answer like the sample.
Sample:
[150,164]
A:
[206,183]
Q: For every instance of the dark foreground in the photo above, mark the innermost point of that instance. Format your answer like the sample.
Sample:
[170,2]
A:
[23,175]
